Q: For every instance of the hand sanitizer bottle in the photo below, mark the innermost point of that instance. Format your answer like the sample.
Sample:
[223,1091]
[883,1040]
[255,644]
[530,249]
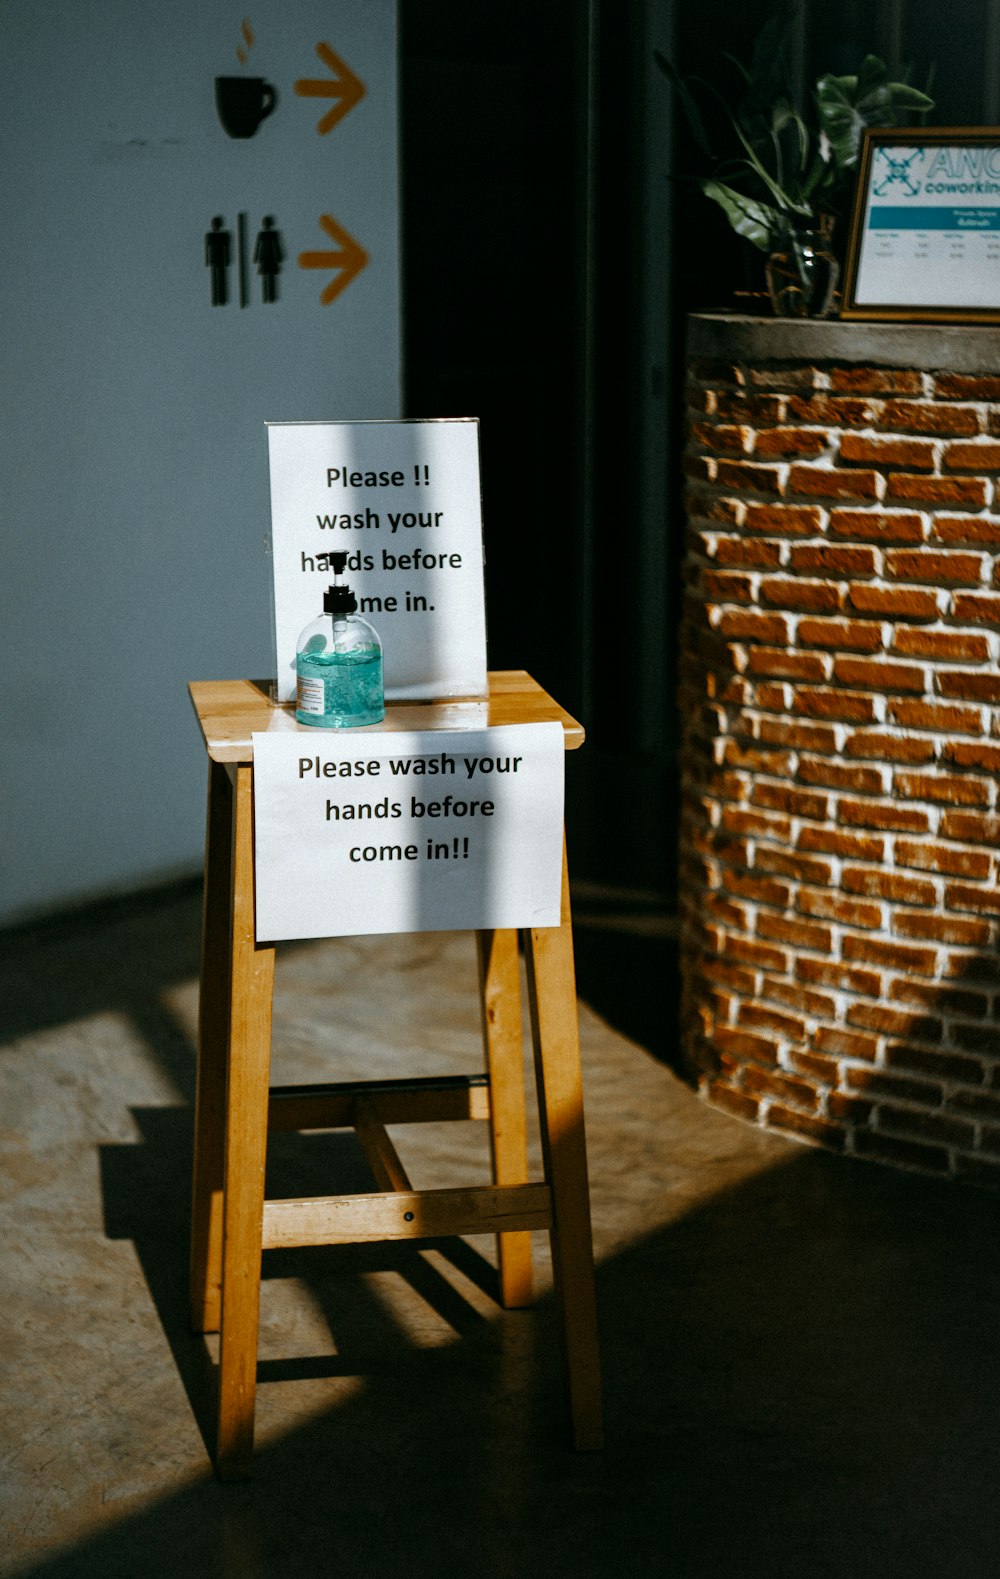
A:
[339,663]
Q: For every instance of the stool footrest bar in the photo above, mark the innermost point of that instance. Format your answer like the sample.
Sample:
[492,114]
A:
[422,1100]
[409,1214]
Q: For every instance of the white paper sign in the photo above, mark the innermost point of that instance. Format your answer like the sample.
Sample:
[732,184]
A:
[359,832]
[403,500]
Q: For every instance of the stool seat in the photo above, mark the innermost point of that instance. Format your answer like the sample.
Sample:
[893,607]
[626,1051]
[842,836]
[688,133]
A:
[236,1107]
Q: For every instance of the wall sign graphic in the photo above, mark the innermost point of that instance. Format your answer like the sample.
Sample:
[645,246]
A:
[419,831]
[403,498]
[925,235]
[347,259]
[343,86]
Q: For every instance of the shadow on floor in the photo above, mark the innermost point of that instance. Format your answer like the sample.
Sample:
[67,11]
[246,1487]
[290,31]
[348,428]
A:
[799,1378]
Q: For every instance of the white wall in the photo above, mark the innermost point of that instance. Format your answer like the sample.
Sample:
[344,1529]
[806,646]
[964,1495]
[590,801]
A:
[133,462]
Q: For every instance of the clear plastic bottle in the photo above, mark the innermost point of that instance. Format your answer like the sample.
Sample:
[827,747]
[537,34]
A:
[339,663]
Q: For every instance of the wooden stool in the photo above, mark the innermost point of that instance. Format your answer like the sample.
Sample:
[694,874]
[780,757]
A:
[232,1223]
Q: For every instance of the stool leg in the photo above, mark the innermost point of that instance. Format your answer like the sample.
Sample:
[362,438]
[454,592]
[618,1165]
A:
[556,1041]
[251,983]
[213,1038]
[500,992]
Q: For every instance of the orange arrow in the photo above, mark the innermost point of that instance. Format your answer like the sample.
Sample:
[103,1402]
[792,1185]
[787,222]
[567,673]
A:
[343,85]
[350,259]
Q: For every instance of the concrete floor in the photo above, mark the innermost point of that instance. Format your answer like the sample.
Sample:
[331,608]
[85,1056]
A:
[800,1352]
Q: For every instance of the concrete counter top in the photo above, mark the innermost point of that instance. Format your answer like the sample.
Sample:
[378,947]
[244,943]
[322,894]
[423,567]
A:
[962,348]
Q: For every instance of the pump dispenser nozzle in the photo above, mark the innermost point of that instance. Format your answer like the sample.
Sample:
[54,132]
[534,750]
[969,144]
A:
[339,599]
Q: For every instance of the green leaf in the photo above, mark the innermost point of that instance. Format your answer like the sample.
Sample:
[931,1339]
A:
[688,102]
[756,221]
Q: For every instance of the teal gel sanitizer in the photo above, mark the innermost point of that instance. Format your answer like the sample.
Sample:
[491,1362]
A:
[338,663]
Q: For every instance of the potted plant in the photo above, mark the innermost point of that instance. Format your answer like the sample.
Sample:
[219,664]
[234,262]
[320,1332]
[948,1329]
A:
[790,176]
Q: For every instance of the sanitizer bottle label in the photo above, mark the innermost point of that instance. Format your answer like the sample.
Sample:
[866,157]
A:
[311,695]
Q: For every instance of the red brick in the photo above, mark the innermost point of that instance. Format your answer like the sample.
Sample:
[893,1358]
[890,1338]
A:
[846,705]
[972,754]
[785,863]
[764,890]
[713,369]
[763,1083]
[748,477]
[963,896]
[882,884]
[773,696]
[983,456]
[819,1129]
[834,775]
[848,977]
[742,981]
[726,911]
[784,797]
[955,646]
[749,952]
[800,737]
[889,748]
[721,438]
[790,378]
[945,787]
[739,626]
[970,827]
[743,1044]
[900,956]
[855,635]
[736,755]
[978,1104]
[914,416]
[896,1087]
[878,814]
[837,411]
[979,1039]
[943,858]
[877,526]
[942,929]
[948,1066]
[901,1153]
[966,529]
[831,560]
[824,905]
[698,468]
[779,663]
[897,602]
[846,1044]
[775,442]
[822,482]
[722,586]
[966,386]
[968,685]
[895,1022]
[944,1000]
[849,1109]
[826,1071]
[788,520]
[924,564]
[859,846]
[754,409]
[797,934]
[856,449]
[929,1126]
[801,998]
[759,1018]
[877,381]
[884,677]
[755,822]
[941,718]
[979,608]
[710,507]
[973,491]
[818,597]
[734,1102]
[736,551]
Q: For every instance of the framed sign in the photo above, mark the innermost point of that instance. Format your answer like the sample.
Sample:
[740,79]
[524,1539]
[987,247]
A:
[925,233]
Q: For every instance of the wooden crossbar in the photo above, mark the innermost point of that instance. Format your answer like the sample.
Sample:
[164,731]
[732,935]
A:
[422,1100]
[381,1155]
[405,1214]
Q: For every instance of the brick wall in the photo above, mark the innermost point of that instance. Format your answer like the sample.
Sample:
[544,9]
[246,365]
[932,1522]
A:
[841,700]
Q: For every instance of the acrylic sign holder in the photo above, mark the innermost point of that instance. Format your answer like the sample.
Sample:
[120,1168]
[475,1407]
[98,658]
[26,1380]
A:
[236,1107]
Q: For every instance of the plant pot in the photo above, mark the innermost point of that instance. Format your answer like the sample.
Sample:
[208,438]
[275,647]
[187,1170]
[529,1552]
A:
[802,273]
